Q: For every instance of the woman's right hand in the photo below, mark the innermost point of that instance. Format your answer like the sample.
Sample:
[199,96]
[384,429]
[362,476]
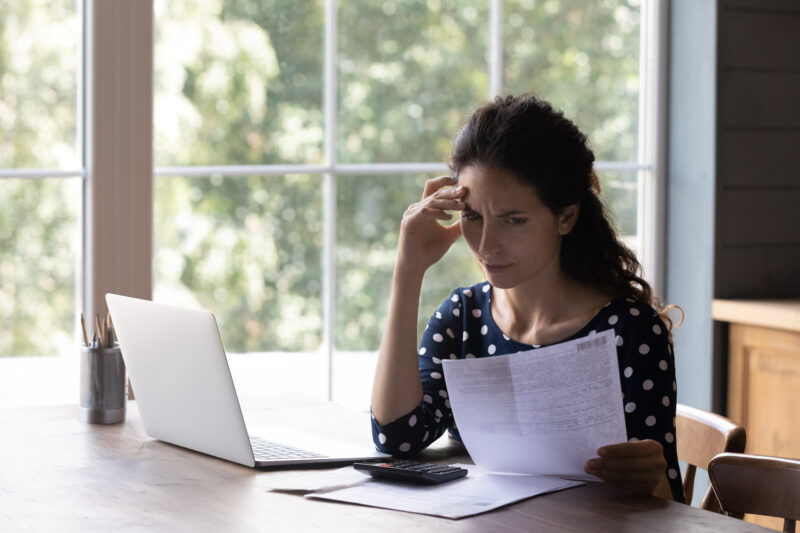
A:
[423,240]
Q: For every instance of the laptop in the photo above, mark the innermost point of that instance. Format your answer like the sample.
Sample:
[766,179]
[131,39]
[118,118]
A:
[185,393]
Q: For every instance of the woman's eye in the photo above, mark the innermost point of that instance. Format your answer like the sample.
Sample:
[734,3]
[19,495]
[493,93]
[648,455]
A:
[516,221]
[471,215]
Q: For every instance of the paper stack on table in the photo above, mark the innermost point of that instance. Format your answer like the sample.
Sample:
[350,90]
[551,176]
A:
[529,420]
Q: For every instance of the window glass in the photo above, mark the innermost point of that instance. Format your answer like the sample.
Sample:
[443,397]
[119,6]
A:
[369,212]
[584,58]
[249,250]
[409,72]
[238,82]
[40,45]
[39,253]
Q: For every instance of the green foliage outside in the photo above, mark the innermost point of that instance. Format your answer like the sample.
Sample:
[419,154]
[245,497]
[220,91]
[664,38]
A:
[241,82]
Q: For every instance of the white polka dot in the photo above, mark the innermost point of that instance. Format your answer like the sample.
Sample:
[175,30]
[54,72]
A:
[437,420]
[506,337]
[412,421]
[443,393]
[644,349]
[427,398]
[436,375]
[665,401]
[536,346]
[454,298]
[663,365]
[628,372]
[650,421]
[484,329]
[436,360]
[470,356]
[630,407]
[447,403]
[465,336]
[422,350]
[467,292]
[453,356]
[613,319]
[672,473]
[438,314]
[669,437]
[450,333]
[425,436]
[404,447]
[438,413]
[476,313]
[437,337]
[457,311]
[381,438]
[674,386]
[656,329]
[634,311]
[647,384]
[593,332]
[492,348]
[619,340]
[486,288]
[633,439]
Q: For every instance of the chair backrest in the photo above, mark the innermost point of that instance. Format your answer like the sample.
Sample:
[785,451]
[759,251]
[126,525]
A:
[702,435]
[757,484]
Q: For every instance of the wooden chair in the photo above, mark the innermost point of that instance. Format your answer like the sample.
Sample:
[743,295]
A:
[702,435]
[757,484]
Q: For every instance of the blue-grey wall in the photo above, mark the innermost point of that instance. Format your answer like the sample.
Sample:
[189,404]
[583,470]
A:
[691,192]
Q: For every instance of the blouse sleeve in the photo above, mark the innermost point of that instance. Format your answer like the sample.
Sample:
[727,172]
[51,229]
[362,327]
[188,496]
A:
[414,431]
[647,373]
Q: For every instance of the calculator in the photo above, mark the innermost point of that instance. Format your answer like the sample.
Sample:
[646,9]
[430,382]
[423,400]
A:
[412,471]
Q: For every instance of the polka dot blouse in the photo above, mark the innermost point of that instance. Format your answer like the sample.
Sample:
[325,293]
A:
[463,328]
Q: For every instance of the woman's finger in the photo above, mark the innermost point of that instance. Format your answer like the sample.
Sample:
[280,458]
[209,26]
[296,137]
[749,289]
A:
[434,184]
[648,463]
[631,449]
[445,204]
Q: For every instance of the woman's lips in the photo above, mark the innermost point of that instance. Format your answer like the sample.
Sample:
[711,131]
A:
[495,269]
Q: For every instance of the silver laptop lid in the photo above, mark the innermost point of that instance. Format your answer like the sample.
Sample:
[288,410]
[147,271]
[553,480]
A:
[180,377]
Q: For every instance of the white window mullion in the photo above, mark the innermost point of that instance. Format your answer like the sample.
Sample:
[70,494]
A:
[329,194]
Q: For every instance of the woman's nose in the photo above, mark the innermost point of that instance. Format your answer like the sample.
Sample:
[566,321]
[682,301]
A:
[490,241]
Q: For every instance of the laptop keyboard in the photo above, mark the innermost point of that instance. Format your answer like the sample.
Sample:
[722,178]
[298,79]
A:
[265,450]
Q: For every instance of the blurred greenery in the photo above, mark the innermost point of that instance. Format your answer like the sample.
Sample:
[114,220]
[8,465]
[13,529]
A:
[241,82]
[39,233]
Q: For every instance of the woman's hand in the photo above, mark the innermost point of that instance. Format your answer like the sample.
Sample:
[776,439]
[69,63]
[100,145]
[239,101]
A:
[637,466]
[423,241]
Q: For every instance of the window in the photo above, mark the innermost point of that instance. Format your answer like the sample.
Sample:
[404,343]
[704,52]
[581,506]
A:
[289,137]
[41,173]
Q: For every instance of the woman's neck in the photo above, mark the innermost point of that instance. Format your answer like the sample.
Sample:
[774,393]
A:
[546,312]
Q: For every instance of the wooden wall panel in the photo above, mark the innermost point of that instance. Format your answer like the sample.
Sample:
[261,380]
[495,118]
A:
[776,35]
[759,216]
[759,158]
[758,272]
[759,99]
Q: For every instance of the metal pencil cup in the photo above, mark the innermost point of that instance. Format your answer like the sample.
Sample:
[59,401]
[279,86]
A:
[103,382]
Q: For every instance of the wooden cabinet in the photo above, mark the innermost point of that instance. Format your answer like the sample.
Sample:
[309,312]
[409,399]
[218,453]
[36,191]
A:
[764,375]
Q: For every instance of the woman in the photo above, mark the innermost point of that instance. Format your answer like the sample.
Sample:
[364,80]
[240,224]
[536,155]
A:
[523,184]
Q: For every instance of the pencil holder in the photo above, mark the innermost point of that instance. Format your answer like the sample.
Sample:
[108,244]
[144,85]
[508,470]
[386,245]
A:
[102,393]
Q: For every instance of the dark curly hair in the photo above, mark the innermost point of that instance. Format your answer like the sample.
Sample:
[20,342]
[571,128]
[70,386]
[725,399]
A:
[526,136]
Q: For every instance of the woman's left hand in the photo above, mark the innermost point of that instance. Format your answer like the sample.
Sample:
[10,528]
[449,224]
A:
[637,466]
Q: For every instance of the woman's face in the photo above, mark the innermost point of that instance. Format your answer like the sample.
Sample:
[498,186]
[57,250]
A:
[513,235]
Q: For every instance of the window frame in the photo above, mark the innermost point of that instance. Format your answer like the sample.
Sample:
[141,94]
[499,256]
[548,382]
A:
[117,78]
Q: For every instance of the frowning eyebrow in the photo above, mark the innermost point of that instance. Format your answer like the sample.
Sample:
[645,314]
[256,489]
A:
[509,213]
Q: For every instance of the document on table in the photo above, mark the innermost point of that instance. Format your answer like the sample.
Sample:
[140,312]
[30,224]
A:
[542,411]
[477,493]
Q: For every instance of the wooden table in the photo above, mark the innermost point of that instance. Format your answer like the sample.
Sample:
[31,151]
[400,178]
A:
[59,474]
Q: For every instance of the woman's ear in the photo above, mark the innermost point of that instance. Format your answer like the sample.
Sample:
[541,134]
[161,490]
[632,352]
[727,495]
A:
[567,218]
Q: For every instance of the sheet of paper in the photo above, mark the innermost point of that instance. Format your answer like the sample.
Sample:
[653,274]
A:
[543,411]
[477,493]
[312,480]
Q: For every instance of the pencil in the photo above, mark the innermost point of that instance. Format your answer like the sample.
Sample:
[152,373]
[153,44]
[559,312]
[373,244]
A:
[83,329]
[98,329]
